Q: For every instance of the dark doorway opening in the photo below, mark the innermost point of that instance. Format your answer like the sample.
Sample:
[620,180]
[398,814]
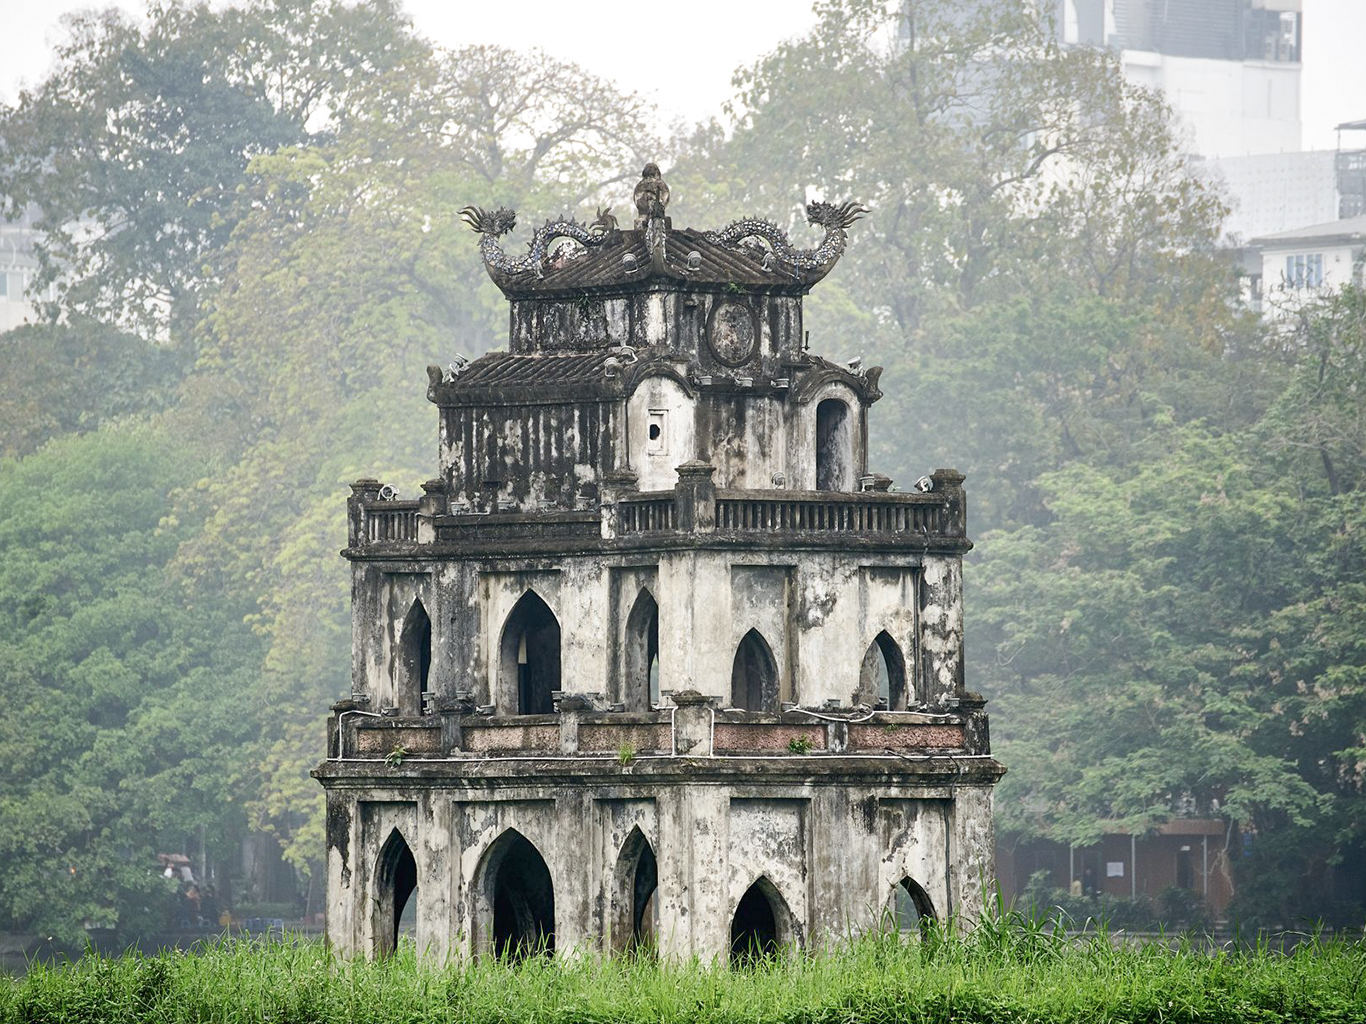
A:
[396,885]
[754,675]
[834,447]
[637,880]
[883,673]
[415,660]
[531,655]
[912,911]
[754,928]
[523,899]
[641,684]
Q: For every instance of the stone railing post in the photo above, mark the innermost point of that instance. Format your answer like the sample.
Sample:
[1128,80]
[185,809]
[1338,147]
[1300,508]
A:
[452,711]
[361,492]
[431,504]
[692,724]
[976,737]
[615,484]
[572,707]
[949,483]
[695,497]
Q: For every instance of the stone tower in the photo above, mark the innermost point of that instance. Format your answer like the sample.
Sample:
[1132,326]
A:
[655,659]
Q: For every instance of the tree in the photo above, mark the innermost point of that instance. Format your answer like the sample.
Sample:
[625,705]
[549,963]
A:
[169,117]
[57,379]
[995,161]
[127,715]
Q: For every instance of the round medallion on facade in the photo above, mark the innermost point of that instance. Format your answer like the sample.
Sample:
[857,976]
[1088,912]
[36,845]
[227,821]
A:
[732,333]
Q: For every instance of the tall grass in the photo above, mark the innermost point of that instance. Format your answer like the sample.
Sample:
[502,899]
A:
[1006,971]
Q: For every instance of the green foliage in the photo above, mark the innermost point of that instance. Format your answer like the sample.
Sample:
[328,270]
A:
[799,744]
[71,378]
[1165,603]
[1002,972]
[626,753]
[168,117]
[123,724]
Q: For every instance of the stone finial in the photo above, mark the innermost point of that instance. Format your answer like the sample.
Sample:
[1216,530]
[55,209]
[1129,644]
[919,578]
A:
[651,195]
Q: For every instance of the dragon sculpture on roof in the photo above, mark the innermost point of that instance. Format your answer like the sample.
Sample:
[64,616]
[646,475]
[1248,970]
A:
[834,218]
[493,224]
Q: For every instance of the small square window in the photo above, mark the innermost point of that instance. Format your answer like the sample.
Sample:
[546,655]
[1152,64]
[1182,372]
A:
[656,433]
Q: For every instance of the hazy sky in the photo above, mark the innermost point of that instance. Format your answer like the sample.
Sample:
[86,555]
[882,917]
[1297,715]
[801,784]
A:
[687,67]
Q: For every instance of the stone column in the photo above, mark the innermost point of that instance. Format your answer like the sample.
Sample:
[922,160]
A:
[941,629]
[692,724]
[972,856]
[615,484]
[431,504]
[361,491]
[571,709]
[695,496]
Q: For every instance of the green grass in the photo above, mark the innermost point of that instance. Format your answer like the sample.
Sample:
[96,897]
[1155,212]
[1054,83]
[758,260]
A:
[1002,973]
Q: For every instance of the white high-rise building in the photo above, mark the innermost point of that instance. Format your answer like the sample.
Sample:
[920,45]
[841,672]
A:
[1229,68]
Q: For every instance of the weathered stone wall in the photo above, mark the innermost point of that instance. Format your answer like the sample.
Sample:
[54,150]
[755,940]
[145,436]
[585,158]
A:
[818,613]
[681,321]
[833,847]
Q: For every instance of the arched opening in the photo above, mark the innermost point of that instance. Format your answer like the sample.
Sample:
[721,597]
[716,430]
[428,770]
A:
[414,660]
[640,687]
[882,676]
[754,675]
[530,656]
[760,924]
[637,880]
[515,911]
[834,447]
[912,911]
[395,889]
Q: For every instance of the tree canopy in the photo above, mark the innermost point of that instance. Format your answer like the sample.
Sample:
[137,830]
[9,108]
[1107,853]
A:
[259,250]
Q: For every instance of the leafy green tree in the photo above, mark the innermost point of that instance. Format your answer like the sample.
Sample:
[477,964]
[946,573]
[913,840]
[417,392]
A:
[168,117]
[127,715]
[57,379]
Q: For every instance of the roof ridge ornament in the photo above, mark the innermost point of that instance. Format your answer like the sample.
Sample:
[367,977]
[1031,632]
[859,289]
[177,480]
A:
[836,220]
[493,224]
[651,196]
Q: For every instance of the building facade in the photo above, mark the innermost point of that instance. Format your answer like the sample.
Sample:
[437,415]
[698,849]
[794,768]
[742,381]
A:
[19,271]
[1229,68]
[655,659]
[1309,262]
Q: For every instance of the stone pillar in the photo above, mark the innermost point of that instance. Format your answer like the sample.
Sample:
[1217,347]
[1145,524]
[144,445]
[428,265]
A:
[615,484]
[941,629]
[972,852]
[695,496]
[361,491]
[949,483]
[572,707]
[692,724]
[453,712]
[431,504]
[976,736]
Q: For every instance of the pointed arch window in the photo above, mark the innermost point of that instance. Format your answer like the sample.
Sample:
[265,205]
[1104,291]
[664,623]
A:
[636,881]
[529,661]
[761,924]
[882,676]
[754,675]
[514,900]
[640,685]
[395,892]
[912,911]
[834,446]
[414,667]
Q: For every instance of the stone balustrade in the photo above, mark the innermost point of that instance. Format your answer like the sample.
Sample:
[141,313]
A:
[694,728]
[694,507]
